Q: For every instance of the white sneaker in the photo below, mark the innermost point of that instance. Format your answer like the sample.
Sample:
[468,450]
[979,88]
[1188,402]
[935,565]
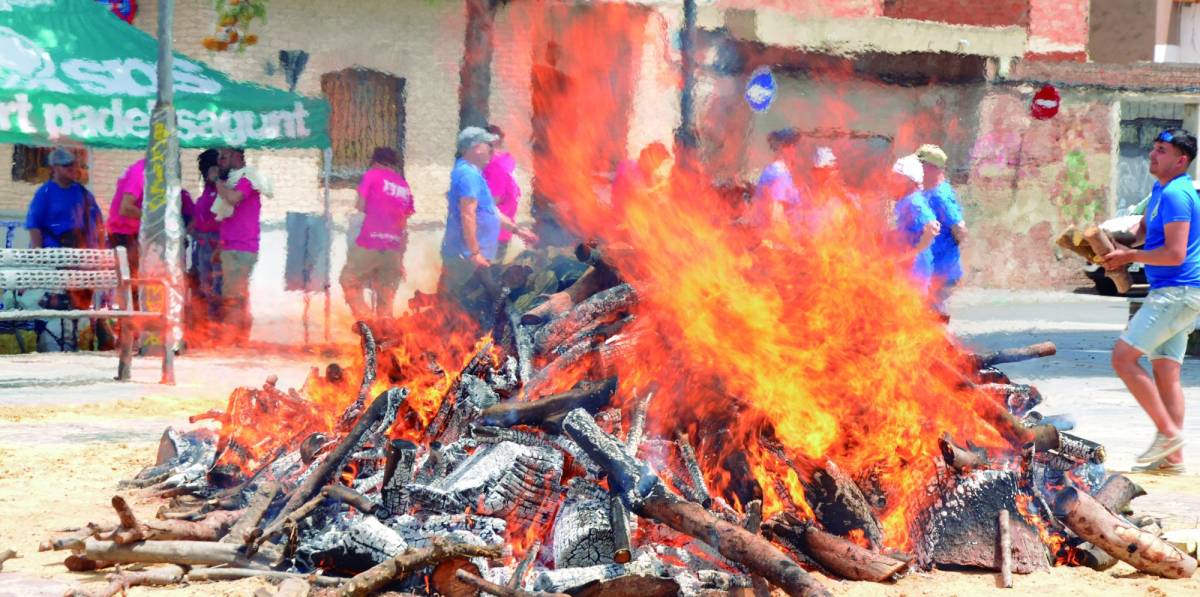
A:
[1162,447]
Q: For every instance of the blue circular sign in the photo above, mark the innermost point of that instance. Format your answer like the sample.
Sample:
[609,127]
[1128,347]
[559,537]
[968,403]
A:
[761,89]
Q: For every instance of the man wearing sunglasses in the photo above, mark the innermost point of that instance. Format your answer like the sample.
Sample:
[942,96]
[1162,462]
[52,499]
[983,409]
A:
[1160,329]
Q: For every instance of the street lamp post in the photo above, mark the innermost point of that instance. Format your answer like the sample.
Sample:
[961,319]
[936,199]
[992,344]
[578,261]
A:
[161,233]
[686,138]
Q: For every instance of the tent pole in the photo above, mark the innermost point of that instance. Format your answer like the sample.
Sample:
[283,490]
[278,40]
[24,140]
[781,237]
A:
[328,155]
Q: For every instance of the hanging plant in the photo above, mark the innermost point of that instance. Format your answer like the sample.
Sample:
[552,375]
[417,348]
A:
[234,18]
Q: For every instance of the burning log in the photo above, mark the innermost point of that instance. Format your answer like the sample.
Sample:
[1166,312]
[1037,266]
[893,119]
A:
[495,589]
[1013,355]
[131,530]
[1019,398]
[375,579]
[1090,520]
[835,554]
[606,303]
[1080,449]
[959,459]
[518,576]
[646,495]
[449,399]
[1005,547]
[1092,557]
[192,553]
[839,505]
[262,499]
[358,501]
[380,415]
[582,530]
[523,342]
[598,277]
[695,475]
[1117,492]
[370,356]
[398,472]
[589,395]
[618,518]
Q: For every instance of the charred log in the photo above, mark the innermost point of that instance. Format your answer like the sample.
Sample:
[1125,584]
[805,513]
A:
[589,395]
[78,563]
[618,517]
[959,459]
[1117,492]
[1090,520]
[518,576]
[839,505]
[646,495]
[688,455]
[254,513]
[608,303]
[495,589]
[370,356]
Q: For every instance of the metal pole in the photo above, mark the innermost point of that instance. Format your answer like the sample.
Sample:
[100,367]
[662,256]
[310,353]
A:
[328,154]
[686,139]
[161,235]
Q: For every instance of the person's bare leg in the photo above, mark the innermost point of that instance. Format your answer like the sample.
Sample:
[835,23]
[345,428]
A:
[1142,386]
[1170,391]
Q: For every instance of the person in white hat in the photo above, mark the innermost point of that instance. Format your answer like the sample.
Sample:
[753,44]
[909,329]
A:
[915,222]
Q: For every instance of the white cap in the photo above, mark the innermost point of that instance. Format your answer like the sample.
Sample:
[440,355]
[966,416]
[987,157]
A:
[824,158]
[909,167]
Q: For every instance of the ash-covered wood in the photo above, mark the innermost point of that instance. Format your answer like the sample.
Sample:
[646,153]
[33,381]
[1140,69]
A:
[694,474]
[397,473]
[396,568]
[380,414]
[647,496]
[1093,522]
[518,576]
[1080,449]
[495,589]
[262,500]
[839,505]
[1019,398]
[589,395]
[607,303]
[1117,492]
[1013,355]
[960,529]
[583,534]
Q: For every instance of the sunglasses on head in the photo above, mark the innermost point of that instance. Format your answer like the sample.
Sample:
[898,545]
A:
[1165,137]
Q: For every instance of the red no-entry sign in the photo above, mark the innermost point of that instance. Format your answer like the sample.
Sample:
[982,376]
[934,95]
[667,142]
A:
[1045,103]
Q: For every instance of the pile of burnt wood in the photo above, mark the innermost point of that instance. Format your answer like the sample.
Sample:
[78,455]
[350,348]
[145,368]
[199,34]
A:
[510,496]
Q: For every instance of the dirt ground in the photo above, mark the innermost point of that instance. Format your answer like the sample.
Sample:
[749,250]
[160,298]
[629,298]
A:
[68,435]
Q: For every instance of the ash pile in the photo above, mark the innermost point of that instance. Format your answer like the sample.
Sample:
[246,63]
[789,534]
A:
[500,481]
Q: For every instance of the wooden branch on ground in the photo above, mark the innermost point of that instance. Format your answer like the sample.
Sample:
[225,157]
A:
[1117,492]
[1093,522]
[73,540]
[222,573]
[589,395]
[7,555]
[131,530]
[839,556]
[497,590]
[648,497]
[396,568]
[1005,547]
[381,413]
[191,553]
[78,563]
[840,506]
[120,582]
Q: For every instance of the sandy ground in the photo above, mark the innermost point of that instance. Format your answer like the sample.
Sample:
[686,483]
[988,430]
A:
[68,434]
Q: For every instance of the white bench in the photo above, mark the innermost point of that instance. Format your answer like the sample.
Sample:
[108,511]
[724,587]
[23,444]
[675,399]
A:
[80,269]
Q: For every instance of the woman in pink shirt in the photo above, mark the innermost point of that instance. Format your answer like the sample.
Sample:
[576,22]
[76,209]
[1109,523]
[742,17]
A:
[206,235]
[376,259]
[500,175]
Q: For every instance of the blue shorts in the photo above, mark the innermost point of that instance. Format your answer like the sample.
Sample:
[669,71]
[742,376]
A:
[1160,328]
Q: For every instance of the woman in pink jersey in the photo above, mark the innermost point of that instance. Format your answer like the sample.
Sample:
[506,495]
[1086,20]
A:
[376,259]
[500,175]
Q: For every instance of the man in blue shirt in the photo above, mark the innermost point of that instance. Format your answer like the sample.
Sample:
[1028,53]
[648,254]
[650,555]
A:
[63,212]
[776,195]
[915,222]
[1160,329]
[947,264]
[472,220]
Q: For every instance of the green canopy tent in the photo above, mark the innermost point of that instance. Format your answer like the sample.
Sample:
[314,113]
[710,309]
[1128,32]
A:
[72,72]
